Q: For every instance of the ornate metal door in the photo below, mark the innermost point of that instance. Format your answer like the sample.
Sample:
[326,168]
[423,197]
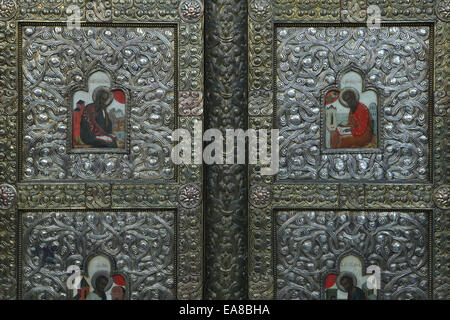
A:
[90,94]
[349,202]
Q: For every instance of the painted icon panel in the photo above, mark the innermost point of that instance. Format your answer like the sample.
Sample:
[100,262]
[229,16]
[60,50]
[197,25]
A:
[99,116]
[100,281]
[351,115]
[351,283]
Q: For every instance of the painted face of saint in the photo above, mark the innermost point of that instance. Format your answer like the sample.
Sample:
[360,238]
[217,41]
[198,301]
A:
[350,98]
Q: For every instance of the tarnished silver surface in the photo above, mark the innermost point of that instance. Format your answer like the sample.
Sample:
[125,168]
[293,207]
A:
[260,10]
[226,266]
[260,102]
[174,50]
[55,60]
[41,196]
[310,242]
[98,11]
[441,255]
[395,60]
[354,11]
[98,195]
[142,244]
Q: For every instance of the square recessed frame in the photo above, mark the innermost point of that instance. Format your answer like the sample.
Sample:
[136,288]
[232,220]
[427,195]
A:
[58,64]
[134,250]
[312,60]
[311,245]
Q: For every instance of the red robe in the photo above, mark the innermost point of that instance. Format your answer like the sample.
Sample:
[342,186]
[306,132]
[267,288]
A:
[361,122]
[76,121]
[361,119]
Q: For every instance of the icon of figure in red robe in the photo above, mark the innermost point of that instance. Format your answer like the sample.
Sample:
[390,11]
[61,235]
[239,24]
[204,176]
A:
[96,126]
[358,131]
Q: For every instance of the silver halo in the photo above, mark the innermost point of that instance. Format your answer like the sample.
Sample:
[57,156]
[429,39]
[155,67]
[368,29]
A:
[344,103]
[108,90]
[342,274]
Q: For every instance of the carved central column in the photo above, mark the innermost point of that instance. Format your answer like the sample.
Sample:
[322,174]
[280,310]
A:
[226,185]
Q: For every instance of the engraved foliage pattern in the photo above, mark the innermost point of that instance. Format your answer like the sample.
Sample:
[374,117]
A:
[309,244]
[141,242]
[56,60]
[392,59]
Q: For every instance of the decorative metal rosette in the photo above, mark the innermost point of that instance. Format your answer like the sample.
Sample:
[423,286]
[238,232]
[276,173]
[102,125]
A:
[190,10]
[8,196]
[441,197]
[260,10]
[442,9]
[190,195]
[260,195]
[8,9]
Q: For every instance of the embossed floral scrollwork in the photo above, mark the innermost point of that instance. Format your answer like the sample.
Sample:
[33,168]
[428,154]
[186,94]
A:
[141,60]
[190,103]
[354,11]
[98,11]
[190,195]
[309,244]
[141,242]
[442,9]
[386,63]
[98,195]
[260,103]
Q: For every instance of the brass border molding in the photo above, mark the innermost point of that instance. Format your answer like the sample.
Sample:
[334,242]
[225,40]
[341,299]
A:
[8,196]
